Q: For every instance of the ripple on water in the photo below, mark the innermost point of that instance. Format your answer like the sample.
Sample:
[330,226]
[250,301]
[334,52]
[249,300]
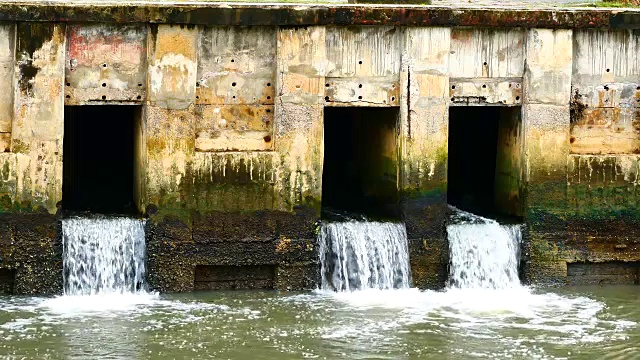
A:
[409,323]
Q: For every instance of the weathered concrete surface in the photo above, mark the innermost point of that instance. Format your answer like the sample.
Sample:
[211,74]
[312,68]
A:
[36,133]
[229,144]
[424,121]
[172,72]
[105,62]
[546,135]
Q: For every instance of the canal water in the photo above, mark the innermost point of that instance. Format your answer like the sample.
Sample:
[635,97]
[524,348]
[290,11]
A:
[483,313]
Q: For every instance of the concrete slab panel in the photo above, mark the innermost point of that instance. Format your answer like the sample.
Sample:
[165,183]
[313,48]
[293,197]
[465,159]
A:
[487,53]
[363,51]
[234,128]
[173,67]
[105,62]
[237,65]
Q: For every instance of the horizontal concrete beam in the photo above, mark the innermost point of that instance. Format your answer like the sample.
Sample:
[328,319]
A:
[313,14]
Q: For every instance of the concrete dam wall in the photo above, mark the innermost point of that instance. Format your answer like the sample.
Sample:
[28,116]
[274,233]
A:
[235,129]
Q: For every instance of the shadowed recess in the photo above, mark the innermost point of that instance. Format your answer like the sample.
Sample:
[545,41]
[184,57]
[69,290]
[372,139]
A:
[7,280]
[360,161]
[485,157]
[98,159]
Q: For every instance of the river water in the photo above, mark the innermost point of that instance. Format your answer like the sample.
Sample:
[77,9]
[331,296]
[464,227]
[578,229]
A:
[576,323]
[483,313]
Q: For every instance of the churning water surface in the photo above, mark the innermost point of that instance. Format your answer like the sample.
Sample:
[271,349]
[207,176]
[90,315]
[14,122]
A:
[484,313]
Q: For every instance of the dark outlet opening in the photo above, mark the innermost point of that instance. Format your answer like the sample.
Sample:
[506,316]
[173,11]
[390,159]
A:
[485,160]
[7,281]
[360,162]
[98,158]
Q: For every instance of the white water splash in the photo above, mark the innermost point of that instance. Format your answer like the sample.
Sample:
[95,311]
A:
[357,255]
[103,255]
[483,253]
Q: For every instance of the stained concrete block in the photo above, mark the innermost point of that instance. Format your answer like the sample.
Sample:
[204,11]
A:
[299,118]
[237,65]
[301,65]
[36,134]
[605,56]
[425,119]
[549,64]
[547,140]
[105,62]
[487,53]
[173,67]
[605,131]
[363,51]
[234,127]
[299,142]
[169,144]
[368,91]
[424,123]
[233,181]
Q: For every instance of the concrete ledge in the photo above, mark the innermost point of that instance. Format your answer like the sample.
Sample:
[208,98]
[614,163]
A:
[206,13]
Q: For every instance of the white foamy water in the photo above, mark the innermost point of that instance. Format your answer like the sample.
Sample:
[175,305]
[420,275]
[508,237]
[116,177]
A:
[103,256]
[357,255]
[483,253]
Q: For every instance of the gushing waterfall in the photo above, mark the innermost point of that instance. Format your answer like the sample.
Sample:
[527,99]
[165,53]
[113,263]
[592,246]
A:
[103,255]
[483,253]
[358,255]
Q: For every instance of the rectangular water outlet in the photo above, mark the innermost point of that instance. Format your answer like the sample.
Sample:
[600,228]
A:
[224,277]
